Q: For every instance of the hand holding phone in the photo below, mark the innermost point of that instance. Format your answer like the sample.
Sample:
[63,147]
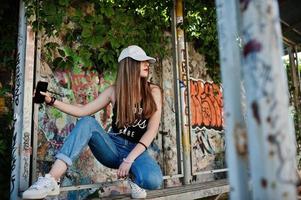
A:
[38,97]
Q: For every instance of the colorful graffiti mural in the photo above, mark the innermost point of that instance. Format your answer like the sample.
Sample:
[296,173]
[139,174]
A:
[207,139]
[206,145]
[206,105]
[78,87]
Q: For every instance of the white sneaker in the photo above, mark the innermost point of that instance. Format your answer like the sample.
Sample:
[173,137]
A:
[136,191]
[43,187]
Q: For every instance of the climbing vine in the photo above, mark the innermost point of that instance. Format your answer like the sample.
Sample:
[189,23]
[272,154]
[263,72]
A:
[93,33]
[201,29]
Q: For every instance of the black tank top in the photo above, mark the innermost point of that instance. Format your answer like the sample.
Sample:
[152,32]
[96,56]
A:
[132,132]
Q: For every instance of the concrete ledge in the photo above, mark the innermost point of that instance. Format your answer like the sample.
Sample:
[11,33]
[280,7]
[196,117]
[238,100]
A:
[192,191]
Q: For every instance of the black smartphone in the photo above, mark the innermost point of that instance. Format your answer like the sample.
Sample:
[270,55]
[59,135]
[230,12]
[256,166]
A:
[41,86]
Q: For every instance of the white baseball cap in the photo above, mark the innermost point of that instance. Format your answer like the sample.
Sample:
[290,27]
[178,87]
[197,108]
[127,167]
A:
[135,52]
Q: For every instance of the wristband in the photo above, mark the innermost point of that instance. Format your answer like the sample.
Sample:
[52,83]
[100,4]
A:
[126,161]
[51,101]
[143,145]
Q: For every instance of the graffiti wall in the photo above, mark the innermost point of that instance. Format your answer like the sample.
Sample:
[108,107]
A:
[76,87]
[206,104]
[170,149]
[80,87]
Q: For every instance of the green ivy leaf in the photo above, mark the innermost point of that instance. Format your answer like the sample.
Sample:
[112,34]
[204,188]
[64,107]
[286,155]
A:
[62,65]
[69,58]
[87,32]
[51,45]
[57,62]
[69,64]
[61,52]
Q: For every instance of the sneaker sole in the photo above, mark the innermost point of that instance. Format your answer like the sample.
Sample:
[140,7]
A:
[34,197]
[52,193]
[139,197]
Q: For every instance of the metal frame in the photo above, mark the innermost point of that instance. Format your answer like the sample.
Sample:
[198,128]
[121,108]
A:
[181,51]
[211,171]
[228,17]
[20,175]
[27,115]
[18,105]
[270,129]
[188,103]
[176,90]
[35,126]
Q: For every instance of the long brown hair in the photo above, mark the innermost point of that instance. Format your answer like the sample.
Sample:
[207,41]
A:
[131,90]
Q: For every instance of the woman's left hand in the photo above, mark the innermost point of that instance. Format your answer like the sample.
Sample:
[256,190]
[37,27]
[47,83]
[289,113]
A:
[123,170]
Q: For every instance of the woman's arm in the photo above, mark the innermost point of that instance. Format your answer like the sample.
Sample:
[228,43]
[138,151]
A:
[148,136]
[83,110]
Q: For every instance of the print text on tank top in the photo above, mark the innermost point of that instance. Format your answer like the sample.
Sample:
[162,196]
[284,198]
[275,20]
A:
[141,123]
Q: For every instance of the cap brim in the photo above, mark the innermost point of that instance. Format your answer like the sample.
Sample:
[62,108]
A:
[145,58]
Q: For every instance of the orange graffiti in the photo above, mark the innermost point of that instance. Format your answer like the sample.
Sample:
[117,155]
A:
[206,105]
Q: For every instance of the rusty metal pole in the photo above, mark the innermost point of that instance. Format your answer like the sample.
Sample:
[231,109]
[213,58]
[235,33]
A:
[293,62]
[183,78]
[295,77]
[27,109]
[18,106]
[270,129]
[21,143]
[235,130]
[176,86]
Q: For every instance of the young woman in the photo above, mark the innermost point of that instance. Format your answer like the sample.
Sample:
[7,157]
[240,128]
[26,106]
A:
[135,121]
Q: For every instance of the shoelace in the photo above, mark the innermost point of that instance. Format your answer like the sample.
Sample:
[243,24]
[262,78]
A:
[41,183]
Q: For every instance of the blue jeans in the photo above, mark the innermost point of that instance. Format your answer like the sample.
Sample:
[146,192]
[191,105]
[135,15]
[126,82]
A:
[110,149]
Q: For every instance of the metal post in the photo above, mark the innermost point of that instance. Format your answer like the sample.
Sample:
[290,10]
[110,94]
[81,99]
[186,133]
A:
[27,109]
[35,124]
[183,78]
[176,88]
[295,77]
[270,130]
[187,109]
[296,85]
[235,131]
[297,62]
[18,105]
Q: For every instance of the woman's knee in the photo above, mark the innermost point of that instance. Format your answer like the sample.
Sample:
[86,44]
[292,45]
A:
[151,181]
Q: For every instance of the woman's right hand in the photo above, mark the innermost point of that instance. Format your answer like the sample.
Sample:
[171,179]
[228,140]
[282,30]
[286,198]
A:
[47,96]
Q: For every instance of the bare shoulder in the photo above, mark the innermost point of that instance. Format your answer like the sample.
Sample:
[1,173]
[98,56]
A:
[155,88]
[156,91]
